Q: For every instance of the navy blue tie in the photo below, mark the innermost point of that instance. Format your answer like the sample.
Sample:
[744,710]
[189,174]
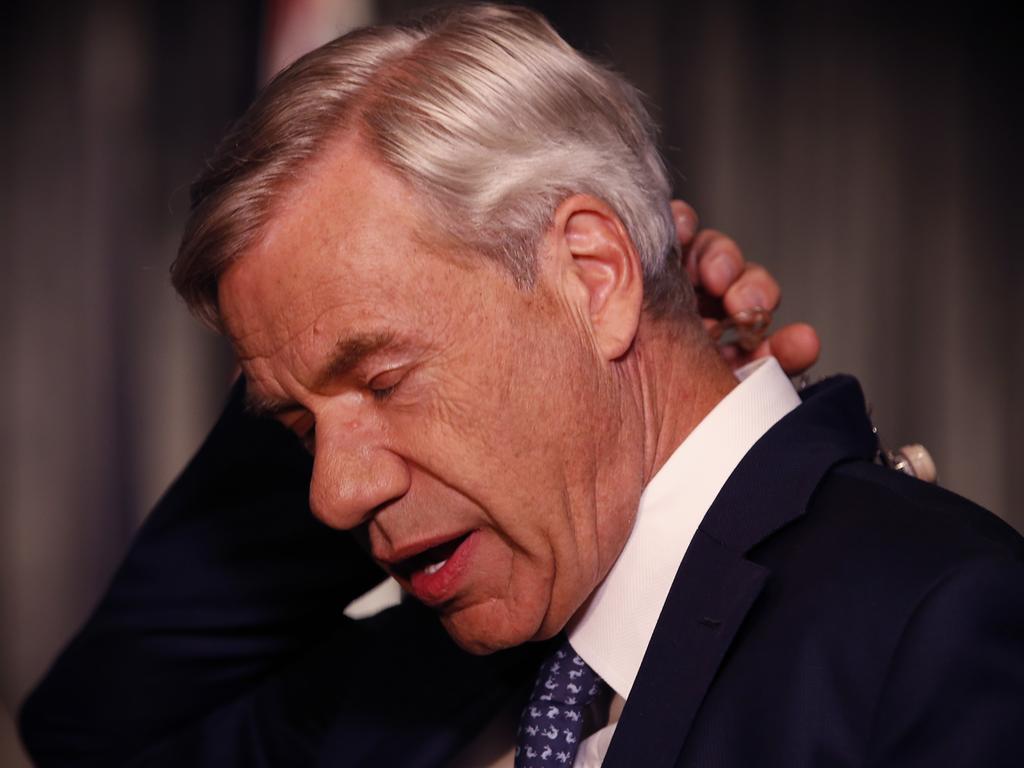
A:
[552,722]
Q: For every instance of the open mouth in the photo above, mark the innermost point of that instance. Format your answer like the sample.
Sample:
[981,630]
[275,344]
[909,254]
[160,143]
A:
[431,560]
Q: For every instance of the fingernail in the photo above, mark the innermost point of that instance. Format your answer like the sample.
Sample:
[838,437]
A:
[751,296]
[723,269]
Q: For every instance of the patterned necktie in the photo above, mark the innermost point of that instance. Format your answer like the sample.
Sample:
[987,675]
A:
[552,722]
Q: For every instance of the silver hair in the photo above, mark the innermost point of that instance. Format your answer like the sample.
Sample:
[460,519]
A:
[484,109]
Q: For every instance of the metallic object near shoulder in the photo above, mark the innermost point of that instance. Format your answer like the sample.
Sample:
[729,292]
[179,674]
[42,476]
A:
[914,460]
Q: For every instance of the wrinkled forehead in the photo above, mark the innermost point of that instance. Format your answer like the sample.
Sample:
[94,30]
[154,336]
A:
[351,251]
[348,233]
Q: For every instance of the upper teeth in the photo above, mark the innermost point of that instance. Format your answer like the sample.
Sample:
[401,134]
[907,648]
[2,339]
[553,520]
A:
[435,567]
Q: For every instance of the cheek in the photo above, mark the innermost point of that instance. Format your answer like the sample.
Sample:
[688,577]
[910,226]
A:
[541,445]
[511,428]
[496,435]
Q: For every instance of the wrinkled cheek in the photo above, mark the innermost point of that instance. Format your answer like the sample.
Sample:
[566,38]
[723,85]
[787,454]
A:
[496,570]
[515,609]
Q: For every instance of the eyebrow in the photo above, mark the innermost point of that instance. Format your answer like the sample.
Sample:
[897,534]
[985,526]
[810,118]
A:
[349,353]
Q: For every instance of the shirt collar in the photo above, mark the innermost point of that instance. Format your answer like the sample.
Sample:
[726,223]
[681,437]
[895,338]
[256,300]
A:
[613,628]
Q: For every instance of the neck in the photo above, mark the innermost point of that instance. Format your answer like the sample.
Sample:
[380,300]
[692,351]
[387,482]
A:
[680,377]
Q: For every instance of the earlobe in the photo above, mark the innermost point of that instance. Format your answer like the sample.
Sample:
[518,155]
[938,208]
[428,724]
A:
[603,262]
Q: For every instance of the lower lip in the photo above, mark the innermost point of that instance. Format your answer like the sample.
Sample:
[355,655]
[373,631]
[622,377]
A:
[435,588]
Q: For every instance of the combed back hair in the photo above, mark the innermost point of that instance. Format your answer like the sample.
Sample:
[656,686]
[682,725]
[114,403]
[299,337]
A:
[484,110]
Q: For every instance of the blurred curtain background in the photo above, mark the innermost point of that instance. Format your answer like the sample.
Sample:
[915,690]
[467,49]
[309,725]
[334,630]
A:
[867,155]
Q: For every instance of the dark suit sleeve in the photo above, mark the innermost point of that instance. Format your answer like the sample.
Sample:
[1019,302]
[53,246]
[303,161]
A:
[955,691]
[228,585]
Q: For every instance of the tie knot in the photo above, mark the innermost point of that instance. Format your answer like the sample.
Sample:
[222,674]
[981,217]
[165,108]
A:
[552,722]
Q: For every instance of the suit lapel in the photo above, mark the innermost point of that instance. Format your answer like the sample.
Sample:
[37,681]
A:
[716,585]
[682,659]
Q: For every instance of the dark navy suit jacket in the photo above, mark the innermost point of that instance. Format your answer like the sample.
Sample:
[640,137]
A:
[828,612]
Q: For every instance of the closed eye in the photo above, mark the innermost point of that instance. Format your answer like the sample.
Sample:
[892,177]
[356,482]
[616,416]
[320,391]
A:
[382,393]
[383,385]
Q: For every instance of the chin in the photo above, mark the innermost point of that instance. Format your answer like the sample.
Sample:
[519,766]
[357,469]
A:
[481,631]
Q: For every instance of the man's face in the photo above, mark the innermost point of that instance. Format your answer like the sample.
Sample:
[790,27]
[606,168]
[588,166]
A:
[451,415]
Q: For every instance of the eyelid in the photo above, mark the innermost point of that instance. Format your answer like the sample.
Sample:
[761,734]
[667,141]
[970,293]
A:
[387,378]
[382,385]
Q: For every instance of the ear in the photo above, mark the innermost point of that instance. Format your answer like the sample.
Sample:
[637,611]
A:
[600,271]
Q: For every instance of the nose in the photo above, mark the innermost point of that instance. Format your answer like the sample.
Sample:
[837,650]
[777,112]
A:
[354,473]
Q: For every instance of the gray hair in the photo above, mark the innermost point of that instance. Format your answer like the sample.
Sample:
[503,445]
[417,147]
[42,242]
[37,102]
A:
[483,109]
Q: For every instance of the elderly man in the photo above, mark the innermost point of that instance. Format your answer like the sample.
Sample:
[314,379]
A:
[445,256]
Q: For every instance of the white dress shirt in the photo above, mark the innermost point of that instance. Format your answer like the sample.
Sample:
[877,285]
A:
[612,630]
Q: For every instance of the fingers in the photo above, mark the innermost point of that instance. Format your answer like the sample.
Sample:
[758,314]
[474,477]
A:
[755,287]
[729,286]
[795,346]
[716,262]
[716,265]
[687,222]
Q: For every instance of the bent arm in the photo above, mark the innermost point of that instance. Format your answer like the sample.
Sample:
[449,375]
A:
[229,580]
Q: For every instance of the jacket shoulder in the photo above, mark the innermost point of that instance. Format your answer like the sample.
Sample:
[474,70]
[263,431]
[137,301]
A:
[894,510]
[873,542]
